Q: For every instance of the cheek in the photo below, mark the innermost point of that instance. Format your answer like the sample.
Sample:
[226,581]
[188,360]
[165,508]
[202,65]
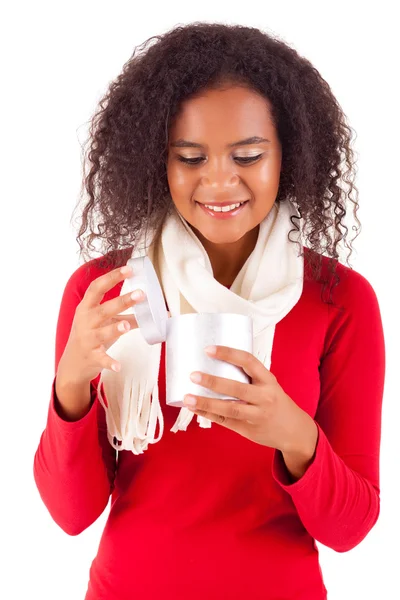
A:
[267,177]
[180,180]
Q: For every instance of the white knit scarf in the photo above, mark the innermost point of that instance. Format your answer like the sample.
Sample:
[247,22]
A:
[267,287]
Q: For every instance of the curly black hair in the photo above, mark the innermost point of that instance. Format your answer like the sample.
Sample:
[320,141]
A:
[127,147]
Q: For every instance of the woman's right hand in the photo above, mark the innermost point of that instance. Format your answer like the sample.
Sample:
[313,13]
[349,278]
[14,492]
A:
[95,328]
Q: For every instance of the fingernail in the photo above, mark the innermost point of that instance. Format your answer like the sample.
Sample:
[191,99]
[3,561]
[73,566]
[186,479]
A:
[125,270]
[211,349]
[124,326]
[190,400]
[115,367]
[137,295]
[195,377]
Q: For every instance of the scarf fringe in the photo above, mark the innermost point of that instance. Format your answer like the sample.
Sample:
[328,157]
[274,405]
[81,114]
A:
[131,401]
[184,419]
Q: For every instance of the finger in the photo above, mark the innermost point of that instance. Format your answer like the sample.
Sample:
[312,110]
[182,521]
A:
[247,361]
[241,427]
[99,286]
[104,361]
[130,318]
[244,391]
[107,335]
[112,307]
[229,409]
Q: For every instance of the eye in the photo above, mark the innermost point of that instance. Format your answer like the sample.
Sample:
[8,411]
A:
[190,161]
[243,160]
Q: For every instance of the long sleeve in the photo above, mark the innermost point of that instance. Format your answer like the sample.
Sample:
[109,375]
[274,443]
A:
[74,465]
[337,498]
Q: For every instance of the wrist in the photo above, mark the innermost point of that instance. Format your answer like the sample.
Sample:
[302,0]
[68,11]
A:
[68,376]
[300,452]
[70,384]
[72,399]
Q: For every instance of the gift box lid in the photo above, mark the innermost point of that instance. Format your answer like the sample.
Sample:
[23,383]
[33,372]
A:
[151,314]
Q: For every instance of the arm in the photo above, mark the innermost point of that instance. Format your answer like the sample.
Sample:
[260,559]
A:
[337,493]
[74,465]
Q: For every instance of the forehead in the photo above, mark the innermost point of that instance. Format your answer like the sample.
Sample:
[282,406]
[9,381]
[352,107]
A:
[223,115]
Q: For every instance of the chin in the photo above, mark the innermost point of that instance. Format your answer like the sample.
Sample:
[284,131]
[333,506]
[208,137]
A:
[220,235]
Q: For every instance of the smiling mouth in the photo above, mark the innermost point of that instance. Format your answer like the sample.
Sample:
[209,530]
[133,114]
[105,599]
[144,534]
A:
[223,207]
[223,211]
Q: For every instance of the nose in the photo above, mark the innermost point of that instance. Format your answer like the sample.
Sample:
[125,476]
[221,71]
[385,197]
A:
[218,174]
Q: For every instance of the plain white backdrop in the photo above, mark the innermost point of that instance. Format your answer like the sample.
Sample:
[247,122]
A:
[57,60]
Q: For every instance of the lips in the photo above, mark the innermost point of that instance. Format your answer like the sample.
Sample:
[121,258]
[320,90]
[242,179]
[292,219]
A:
[220,214]
[229,203]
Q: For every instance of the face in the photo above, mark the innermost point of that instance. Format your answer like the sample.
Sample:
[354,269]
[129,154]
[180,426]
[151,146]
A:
[224,150]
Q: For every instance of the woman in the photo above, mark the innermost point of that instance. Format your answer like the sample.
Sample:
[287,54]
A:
[223,143]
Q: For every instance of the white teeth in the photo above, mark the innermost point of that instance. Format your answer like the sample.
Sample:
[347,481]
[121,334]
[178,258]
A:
[224,208]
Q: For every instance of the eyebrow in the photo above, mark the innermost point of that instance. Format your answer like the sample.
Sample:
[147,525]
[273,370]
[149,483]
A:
[181,143]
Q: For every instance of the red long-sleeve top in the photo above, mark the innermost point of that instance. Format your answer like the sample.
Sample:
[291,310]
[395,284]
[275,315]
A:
[207,513]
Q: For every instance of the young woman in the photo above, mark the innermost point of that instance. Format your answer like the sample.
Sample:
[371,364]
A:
[231,151]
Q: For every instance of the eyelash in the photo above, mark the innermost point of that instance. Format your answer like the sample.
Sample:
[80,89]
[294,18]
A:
[244,160]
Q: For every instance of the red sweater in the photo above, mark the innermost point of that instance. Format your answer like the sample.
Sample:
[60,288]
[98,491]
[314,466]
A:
[209,514]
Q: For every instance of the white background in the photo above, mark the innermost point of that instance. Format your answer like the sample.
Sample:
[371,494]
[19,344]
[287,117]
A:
[57,59]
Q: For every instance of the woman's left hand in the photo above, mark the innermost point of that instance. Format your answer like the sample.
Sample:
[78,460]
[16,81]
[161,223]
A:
[268,415]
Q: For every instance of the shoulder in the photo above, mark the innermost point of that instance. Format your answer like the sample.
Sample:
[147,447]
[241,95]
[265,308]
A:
[345,306]
[348,287]
[81,278]
[352,315]
[353,292]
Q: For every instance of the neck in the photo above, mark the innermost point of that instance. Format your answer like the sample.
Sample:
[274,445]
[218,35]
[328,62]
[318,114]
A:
[227,259]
